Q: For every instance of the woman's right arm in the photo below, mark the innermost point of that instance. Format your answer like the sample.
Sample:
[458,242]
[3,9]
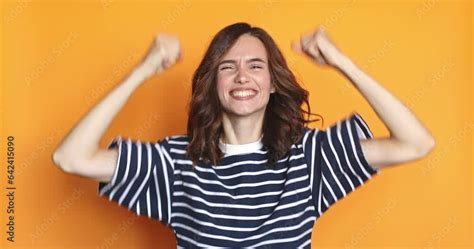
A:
[79,152]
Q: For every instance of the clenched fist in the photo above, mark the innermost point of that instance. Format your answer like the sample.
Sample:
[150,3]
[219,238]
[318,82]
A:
[164,51]
[319,48]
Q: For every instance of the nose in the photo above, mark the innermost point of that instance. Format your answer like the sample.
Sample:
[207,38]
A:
[241,77]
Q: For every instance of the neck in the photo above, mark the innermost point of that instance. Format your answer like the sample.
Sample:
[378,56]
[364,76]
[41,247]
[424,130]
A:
[241,130]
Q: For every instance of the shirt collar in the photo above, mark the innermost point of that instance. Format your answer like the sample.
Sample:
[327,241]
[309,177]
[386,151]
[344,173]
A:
[233,149]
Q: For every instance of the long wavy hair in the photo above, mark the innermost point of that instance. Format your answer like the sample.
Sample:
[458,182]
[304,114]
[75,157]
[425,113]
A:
[284,116]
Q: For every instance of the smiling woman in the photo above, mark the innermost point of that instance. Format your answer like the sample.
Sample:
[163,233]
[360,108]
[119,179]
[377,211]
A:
[249,172]
[257,95]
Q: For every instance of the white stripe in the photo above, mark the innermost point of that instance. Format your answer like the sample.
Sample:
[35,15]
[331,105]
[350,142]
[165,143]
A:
[325,202]
[360,132]
[246,163]
[114,177]
[292,169]
[329,187]
[338,133]
[211,193]
[226,205]
[139,162]
[284,240]
[158,196]
[192,174]
[148,203]
[245,173]
[183,162]
[307,242]
[165,176]
[244,229]
[195,243]
[355,151]
[301,178]
[245,196]
[237,217]
[286,228]
[305,137]
[147,176]
[242,206]
[297,156]
[320,196]
[182,152]
[127,169]
[349,163]
[313,155]
[177,136]
[177,151]
[168,157]
[358,117]
[329,166]
[178,142]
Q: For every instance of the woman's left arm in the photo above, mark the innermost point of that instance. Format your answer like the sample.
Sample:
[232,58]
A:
[409,138]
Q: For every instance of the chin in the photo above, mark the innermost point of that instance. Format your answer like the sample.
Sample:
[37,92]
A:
[244,113]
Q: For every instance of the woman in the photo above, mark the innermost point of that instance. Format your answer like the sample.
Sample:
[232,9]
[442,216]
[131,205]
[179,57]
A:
[248,173]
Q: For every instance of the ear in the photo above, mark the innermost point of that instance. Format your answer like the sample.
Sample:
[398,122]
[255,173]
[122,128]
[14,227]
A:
[272,88]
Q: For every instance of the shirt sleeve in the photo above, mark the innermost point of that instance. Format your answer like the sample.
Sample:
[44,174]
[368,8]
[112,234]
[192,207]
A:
[335,159]
[143,178]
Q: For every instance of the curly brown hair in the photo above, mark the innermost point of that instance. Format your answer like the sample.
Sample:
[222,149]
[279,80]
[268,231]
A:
[284,118]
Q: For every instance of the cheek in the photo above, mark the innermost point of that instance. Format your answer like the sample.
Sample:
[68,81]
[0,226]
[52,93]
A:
[265,83]
[221,88]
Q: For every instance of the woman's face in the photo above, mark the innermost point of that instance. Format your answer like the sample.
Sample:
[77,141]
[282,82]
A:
[243,78]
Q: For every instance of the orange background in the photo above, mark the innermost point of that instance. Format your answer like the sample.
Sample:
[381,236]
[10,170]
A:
[59,59]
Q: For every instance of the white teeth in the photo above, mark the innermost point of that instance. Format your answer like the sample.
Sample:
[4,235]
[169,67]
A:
[243,93]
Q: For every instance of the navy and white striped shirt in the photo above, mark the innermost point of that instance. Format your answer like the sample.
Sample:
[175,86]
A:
[241,202]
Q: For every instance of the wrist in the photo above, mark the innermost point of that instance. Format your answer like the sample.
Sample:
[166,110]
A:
[344,64]
[144,71]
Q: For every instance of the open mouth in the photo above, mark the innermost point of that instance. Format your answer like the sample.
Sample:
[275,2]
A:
[243,94]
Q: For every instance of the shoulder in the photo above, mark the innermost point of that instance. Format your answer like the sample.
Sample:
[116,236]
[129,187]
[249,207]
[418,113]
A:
[175,145]
[176,139]
[309,134]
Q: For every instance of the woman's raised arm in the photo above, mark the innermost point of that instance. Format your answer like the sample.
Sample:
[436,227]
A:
[409,139]
[79,152]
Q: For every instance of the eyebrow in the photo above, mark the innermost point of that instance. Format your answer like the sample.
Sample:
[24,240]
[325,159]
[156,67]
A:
[248,61]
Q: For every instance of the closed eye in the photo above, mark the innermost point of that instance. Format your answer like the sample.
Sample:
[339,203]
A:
[230,67]
[225,67]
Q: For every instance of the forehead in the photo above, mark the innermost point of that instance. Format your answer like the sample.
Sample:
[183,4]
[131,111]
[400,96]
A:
[246,46]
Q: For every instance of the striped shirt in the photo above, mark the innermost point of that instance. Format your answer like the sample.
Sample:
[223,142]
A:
[241,202]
